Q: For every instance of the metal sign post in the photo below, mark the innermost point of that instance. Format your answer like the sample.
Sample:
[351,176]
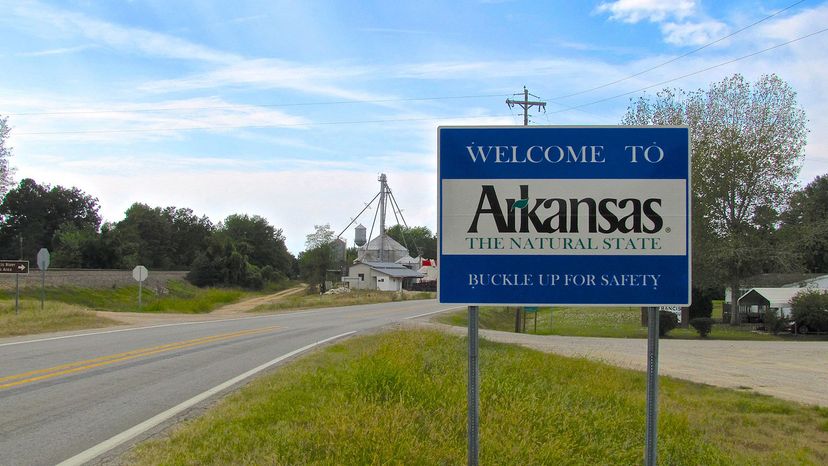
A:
[473,387]
[17,268]
[652,387]
[43,264]
[140,273]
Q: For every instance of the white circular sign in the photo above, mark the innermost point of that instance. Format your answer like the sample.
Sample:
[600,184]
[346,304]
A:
[140,273]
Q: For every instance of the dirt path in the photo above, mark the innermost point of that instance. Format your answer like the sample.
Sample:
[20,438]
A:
[250,304]
[229,310]
[796,371]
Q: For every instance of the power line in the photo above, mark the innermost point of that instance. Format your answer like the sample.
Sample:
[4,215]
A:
[412,99]
[401,120]
[678,57]
[577,107]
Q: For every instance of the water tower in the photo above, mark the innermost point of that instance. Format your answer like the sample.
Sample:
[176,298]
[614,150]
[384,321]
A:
[359,235]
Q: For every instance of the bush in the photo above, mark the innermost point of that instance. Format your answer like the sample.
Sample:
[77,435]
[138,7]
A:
[774,323]
[810,310]
[666,321]
[703,325]
[701,303]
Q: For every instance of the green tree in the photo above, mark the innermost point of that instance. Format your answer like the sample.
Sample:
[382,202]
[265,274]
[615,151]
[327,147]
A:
[747,142]
[809,310]
[220,264]
[322,234]
[419,240]
[37,212]
[6,171]
[318,256]
[145,237]
[160,238]
[314,264]
[805,224]
[259,241]
[190,234]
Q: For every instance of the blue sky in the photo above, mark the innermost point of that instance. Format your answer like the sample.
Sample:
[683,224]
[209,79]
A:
[290,110]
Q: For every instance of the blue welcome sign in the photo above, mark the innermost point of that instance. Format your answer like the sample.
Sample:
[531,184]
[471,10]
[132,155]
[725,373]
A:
[581,215]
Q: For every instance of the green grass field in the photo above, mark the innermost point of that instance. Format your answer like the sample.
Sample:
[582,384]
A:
[614,322]
[179,297]
[310,301]
[54,317]
[400,398]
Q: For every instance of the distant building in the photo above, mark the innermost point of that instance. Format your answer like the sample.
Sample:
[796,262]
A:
[770,291]
[383,276]
[383,248]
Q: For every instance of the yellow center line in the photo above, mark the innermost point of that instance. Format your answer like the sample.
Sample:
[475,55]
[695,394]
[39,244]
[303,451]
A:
[79,366]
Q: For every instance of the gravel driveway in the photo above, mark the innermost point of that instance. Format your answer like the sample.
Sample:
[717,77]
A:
[796,371]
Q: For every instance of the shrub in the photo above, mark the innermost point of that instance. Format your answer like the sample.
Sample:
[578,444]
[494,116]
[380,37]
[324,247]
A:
[703,325]
[701,303]
[666,321]
[773,322]
[810,310]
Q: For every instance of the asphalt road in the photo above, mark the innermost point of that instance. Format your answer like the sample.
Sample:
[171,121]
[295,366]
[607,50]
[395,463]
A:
[63,394]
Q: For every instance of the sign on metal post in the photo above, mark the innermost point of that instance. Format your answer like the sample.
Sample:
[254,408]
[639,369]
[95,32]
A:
[43,258]
[17,267]
[564,215]
[140,273]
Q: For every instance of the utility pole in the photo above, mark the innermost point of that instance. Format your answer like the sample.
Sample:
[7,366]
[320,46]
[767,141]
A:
[526,104]
[383,199]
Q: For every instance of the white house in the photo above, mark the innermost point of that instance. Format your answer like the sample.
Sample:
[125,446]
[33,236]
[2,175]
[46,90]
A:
[383,276]
[758,300]
[780,280]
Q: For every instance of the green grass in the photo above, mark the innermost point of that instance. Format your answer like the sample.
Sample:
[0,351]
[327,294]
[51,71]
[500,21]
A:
[400,398]
[178,297]
[310,301]
[613,322]
[53,318]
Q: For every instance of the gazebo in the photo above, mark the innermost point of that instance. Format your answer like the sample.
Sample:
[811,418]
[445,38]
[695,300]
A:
[757,301]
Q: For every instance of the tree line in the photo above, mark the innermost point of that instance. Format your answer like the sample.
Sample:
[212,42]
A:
[241,250]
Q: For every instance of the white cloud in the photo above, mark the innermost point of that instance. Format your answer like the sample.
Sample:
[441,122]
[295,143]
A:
[57,51]
[115,36]
[634,11]
[122,123]
[693,33]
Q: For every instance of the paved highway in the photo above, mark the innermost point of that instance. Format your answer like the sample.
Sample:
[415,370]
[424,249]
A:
[77,396]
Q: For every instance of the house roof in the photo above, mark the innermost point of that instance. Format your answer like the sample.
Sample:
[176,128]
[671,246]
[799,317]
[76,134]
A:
[393,270]
[774,296]
[389,244]
[775,280]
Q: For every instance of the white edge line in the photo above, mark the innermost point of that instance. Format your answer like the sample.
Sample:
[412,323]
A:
[432,312]
[128,434]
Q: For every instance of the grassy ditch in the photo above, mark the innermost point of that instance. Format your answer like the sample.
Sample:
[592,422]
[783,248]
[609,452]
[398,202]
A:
[400,398]
[310,301]
[53,318]
[613,322]
[177,297]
